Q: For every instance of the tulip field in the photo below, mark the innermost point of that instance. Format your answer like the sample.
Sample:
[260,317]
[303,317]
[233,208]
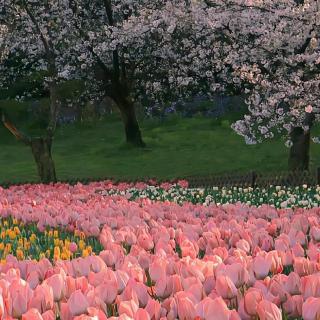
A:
[151,252]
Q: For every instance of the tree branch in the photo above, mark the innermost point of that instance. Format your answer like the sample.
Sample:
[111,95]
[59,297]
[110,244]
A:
[18,134]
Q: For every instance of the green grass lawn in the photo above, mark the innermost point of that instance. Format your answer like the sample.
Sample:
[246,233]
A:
[176,148]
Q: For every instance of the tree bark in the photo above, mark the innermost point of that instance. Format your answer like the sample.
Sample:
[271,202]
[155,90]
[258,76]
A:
[299,155]
[41,150]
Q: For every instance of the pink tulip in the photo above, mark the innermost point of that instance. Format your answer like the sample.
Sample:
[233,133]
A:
[236,272]
[157,269]
[107,291]
[275,261]
[42,298]
[56,282]
[217,307]
[189,249]
[315,233]
[2,306]
[19,296]
[73,247]
[186,308]
[142,314]
[33,279]
[225,287]
[311,309]
[261,267]
[310,286]
[128,307]
[77,303]
[293,284]
[153,308]
[122,280]
[243,245]
[108,257]
[268,311]
[48,315]
[304,267]
[252,299]
[32,314]
[145,241]
[93,312]
[163,287]
[293,306]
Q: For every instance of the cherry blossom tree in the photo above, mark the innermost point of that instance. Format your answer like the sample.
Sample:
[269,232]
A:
[271,50]
[265,49]
[38,36]
[137,52]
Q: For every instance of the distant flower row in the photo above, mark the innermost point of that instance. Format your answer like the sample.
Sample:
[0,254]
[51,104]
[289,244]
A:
[280,197]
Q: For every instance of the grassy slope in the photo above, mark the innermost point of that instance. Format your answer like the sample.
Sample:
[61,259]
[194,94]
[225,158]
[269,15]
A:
[176,148]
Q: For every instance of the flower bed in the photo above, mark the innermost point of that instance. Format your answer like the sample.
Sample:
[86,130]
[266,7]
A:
[84,255]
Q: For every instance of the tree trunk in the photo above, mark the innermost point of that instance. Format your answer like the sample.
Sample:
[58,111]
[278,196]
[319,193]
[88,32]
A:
[129,118]
[41,150]
[299,151]
[299,154]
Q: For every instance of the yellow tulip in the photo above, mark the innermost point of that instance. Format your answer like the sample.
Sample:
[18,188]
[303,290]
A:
[26,245]
[33,238]
[56,251]
[16,230]
[89,248]
[55,233]
[41,255]
[12,235]
[56,242]
[19,254]
[82,244]
[85,253]
[64,256]
[1,246]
